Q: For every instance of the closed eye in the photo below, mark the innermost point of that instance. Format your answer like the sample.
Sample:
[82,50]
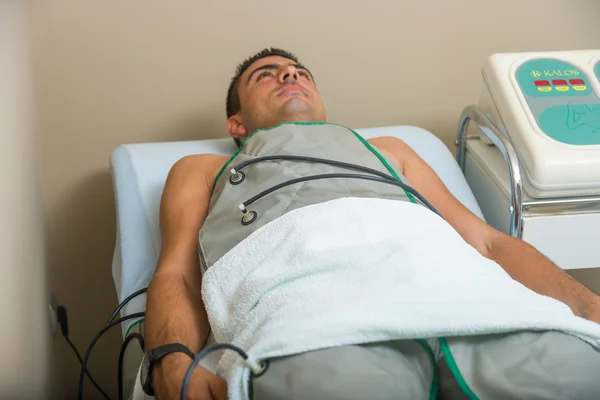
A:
[263,75]
[303,73]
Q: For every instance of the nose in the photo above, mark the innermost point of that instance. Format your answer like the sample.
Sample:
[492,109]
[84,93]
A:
[287,74]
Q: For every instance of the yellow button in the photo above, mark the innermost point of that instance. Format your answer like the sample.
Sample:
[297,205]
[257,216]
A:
[579,87]
[562,88]
[544,88]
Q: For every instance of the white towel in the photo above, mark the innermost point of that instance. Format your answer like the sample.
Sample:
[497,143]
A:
[358,270]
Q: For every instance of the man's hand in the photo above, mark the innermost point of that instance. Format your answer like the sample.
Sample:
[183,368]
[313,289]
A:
[168,379]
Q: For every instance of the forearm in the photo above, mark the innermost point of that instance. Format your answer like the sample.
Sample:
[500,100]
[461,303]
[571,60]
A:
[175,313]
[531,268]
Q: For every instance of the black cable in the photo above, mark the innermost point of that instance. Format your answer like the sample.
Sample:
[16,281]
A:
[63,321]
[93,343]
[347,176]
[124,302]
[200,356]
[315,160]
[128,339]
[86,370]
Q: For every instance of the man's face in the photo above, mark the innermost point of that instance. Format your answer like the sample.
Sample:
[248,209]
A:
[272,90]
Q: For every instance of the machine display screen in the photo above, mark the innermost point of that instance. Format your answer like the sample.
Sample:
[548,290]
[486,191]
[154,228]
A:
[562,100]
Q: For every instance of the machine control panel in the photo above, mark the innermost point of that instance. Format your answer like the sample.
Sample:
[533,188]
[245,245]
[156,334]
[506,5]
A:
[562,99]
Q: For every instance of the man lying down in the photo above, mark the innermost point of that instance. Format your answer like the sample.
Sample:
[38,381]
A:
[348,284]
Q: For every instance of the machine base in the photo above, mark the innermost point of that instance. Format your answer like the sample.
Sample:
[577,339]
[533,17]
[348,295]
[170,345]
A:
[568,239]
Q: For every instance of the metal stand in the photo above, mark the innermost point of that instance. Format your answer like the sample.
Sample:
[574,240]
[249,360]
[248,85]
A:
[554,206]
[474,114]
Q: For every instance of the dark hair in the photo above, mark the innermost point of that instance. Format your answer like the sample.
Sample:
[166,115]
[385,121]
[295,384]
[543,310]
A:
[233,105]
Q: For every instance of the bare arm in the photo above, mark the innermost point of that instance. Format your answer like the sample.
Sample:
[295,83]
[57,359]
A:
[530,267]
[175,312]
[519,259]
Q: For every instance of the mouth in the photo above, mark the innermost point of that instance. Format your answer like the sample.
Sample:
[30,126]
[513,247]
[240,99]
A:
[291,90]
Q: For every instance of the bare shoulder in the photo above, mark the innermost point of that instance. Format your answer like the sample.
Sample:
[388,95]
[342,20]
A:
[394,148]
[197,168]
[389,143]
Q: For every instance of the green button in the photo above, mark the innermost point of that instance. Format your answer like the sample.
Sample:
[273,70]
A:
[597,70]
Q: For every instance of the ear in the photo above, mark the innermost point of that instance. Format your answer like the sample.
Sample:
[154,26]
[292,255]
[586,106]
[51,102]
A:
[236,128]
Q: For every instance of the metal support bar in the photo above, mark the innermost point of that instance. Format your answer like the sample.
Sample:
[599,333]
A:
[563,206]
[474,113]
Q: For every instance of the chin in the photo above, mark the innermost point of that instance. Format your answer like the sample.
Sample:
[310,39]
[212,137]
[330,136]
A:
[296,108]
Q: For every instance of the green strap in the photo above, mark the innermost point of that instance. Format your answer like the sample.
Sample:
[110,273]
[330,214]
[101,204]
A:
[139,321]
[230,160]
[433,390]
[455,371]
[391,170]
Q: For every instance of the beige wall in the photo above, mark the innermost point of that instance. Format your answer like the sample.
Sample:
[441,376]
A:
[112,72]
[24,328]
